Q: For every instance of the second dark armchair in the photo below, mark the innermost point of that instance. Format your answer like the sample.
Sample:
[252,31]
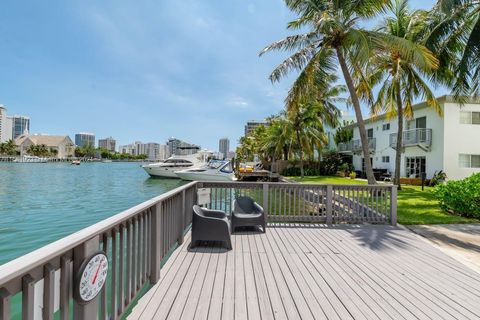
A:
[247,213]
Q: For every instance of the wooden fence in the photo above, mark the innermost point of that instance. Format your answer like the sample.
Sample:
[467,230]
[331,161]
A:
[39,285]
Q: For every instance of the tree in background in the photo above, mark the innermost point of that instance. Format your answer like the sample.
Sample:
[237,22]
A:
[402,76]
[8,148]
[39,150]
[343,133]
[454,35]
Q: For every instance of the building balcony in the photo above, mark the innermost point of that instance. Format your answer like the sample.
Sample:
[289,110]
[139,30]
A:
[355,146]
[421,138]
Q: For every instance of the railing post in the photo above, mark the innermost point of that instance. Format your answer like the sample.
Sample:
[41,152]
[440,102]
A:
[329,204]
[181,226]
[80,253]
[5,298]
[155,246]
[48,292]
[265,202]
[393,205]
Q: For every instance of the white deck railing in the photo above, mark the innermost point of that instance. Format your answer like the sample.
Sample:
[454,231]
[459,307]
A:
[138,239]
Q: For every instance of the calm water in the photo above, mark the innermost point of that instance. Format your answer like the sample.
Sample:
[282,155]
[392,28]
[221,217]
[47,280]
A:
[43,202]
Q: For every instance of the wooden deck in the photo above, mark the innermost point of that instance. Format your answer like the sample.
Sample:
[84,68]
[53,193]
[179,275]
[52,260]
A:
[314,272]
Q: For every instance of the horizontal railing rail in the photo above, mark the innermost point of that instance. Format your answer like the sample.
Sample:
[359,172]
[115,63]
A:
[356,145]
[420,136]
[137,240]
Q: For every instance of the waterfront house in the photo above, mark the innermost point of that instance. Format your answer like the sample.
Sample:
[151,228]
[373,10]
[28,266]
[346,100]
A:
[63,146]
[431,142]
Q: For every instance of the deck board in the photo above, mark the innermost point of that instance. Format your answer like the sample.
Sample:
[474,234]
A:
[306,271]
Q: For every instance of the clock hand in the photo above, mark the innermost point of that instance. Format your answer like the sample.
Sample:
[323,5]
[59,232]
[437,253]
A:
[96,273]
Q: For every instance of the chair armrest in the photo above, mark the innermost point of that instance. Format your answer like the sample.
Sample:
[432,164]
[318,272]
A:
[215,213]
[258,208]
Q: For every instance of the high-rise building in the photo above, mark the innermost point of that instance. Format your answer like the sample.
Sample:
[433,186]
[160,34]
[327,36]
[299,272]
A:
[163,152]
[224,147]
[5,125]
[83,139]
[20,125]
[107,143]
[253,124]
[151,149]
[181,148]
[11,127]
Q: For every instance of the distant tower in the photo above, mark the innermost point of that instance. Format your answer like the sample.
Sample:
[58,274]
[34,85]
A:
[20,125]
[83,139]
[224,147]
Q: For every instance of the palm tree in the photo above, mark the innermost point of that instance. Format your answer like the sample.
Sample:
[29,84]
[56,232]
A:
[455,37]
[279,138]
[334,36]
[308,130]
[401,76]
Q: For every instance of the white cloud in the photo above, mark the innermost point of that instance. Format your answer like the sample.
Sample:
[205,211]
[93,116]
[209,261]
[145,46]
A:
[238,101]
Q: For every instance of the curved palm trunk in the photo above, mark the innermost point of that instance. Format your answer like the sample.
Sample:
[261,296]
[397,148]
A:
[358,114]
[399,147]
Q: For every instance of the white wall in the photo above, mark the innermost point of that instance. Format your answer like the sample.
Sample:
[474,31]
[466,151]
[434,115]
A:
[459,138]
[434,157]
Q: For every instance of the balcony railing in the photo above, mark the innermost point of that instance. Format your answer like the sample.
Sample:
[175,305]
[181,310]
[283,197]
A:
[416,137]
[138,239]
[355,146]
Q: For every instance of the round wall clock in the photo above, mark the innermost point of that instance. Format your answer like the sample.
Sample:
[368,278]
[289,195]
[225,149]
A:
[91,277]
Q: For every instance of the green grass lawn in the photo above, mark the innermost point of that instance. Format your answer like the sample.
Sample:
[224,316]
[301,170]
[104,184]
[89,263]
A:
[414,205]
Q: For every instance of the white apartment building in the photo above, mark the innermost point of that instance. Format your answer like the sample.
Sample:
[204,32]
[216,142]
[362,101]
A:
[431,143]
[5,125]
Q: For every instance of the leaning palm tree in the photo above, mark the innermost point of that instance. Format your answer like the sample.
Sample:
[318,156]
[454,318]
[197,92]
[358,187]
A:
[334,36]
[402,77]
[455,37]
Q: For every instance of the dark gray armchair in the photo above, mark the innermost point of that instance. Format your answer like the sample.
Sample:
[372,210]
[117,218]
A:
[247,213]
[210,225]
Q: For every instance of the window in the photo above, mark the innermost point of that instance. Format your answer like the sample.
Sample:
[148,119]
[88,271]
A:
[415,166]
[469,160]
[370,133]
[469,117]
[386,127]
[385,159]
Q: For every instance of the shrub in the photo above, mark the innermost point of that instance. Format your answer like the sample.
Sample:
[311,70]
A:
[461,197]
[353,175]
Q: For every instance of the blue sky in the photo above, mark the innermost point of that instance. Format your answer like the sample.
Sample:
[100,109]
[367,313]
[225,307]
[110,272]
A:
[142,70]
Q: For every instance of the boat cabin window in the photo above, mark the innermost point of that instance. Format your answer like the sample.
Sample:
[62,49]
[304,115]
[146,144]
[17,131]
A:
[227,168]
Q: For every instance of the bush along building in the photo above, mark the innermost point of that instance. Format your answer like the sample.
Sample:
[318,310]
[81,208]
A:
[431,142]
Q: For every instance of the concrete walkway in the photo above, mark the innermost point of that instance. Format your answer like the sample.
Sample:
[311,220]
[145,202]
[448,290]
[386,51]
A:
[460,241]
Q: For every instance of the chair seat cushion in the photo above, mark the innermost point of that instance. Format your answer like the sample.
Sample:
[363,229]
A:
[247,215]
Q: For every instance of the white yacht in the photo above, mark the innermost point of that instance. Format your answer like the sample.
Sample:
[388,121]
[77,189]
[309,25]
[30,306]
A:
[167,168]
[215,170]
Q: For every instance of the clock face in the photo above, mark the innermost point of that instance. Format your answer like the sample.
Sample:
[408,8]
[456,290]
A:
[93,277]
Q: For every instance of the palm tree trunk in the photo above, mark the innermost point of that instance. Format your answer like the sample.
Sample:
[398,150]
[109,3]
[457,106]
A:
[358,114]
[301,154]
[399,147]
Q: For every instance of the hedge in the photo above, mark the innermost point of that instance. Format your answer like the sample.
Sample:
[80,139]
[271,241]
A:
[461,197]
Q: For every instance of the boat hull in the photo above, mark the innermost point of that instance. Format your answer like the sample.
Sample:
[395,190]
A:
[198,176]
[160,172]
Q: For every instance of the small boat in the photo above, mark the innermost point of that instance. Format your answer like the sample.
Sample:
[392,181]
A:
[215,170]
[167,168]
[31,159]
[106,160]
[76,162]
